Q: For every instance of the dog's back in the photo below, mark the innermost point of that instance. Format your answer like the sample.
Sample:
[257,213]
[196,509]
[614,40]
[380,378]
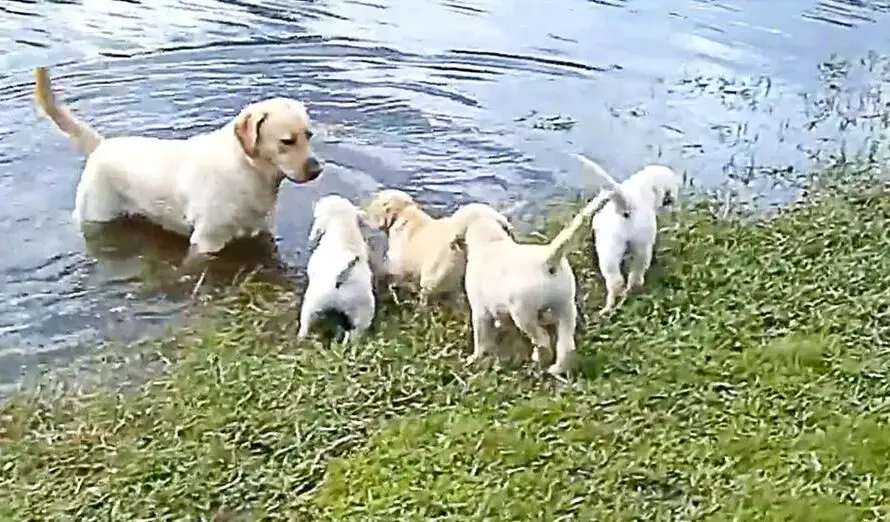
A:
[340,280]
[501,271]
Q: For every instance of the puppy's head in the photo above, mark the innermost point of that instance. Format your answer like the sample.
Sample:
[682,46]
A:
[386,206]
[333,208]
[665,185]
[276,132]
[467,214]
[480,225]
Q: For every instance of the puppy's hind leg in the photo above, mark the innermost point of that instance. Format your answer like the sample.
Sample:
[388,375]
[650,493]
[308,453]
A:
[527,322]
[306,312]
[565,342]
[361,322]
[610,267]
[637,267]
[483,336]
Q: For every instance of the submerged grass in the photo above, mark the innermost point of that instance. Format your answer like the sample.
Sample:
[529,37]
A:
[748,382]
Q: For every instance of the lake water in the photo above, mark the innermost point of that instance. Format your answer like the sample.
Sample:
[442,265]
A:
[453,100]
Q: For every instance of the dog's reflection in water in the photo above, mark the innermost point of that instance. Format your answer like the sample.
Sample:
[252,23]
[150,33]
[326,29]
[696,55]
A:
[136,250]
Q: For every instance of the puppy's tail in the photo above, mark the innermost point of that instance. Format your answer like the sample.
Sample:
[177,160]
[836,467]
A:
[617,194]
[561,243]
[84,136]
[343,276]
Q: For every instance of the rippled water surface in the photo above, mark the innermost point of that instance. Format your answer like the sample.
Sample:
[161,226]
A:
[450,99]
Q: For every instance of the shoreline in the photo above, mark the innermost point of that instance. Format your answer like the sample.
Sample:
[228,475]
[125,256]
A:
[745,380]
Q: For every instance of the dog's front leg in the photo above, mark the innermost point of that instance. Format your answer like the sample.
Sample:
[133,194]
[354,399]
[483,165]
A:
[195,264]
[202,249]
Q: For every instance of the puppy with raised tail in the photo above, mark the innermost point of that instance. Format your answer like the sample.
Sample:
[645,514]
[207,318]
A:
[625,225]
[531,285]
[340,279]
[420,248]
[211,187]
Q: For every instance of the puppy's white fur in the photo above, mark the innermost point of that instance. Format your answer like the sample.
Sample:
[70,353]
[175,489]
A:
[211,187]
[340,278]
[626,225]
[420,247]
[532,285]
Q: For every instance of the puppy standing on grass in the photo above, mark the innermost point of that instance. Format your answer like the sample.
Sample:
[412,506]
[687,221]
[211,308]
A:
[340,279]
[420,247]
[626,225]
[532,285]
[212,187]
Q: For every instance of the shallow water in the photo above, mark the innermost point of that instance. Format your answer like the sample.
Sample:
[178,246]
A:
[434,96]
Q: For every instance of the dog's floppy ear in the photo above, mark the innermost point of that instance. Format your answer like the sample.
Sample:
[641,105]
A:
[315,232]
[508,228]
[364,218]
[247,130]
[384,215]
[458,243]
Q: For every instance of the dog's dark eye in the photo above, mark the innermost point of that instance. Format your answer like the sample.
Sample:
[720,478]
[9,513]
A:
[309,134]
[288,141]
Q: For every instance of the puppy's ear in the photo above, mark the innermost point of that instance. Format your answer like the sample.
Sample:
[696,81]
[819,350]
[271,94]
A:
[382,215]
[508,228]
[315,232]
[458,243]
[389,215]
[247,130]
[364,219]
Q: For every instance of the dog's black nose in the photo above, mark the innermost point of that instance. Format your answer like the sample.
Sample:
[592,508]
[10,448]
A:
[313,168]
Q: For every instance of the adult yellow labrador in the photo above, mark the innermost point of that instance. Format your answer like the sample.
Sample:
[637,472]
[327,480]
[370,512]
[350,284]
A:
[211,187]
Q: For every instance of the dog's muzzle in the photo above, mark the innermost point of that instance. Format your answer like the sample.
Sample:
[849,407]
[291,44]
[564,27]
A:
[312,168]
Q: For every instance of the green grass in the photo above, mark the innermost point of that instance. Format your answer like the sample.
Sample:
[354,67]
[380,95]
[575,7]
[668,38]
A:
[748,382]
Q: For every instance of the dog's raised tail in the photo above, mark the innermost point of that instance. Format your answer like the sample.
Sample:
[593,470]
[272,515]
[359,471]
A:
[84,136]
[561,243]
[617,193]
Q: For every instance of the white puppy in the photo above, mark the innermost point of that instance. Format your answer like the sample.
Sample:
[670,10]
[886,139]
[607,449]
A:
[340,279]
[626,225]
[532,285]
[211,187]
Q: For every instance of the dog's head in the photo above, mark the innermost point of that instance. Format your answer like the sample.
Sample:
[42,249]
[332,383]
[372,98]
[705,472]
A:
[665,185]
[275,133]
[471,212]
[333,208]
[386,206]
[479,222]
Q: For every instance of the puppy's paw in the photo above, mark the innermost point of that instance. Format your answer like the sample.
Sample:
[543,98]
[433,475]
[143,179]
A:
[558,373]
[395,296]
[471,359]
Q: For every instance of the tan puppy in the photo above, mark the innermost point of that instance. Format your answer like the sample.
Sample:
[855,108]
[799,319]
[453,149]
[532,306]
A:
[420,247]
[531,285]
[212,187]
